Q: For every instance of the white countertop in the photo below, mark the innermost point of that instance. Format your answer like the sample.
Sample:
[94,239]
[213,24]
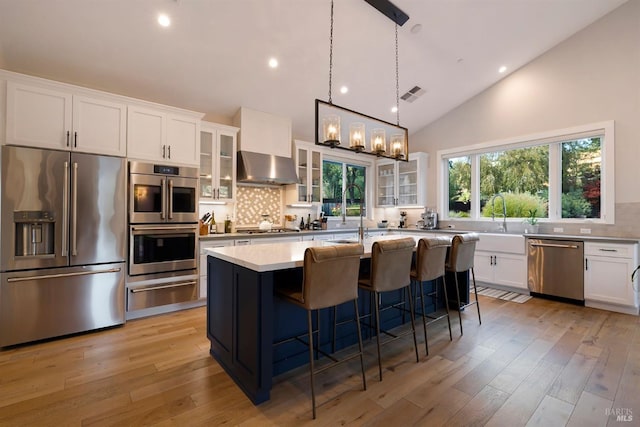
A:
[280,256]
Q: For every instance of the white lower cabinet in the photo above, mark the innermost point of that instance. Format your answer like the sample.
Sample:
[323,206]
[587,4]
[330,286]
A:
[500,259]
[202,268]
[607,276]
[501,269]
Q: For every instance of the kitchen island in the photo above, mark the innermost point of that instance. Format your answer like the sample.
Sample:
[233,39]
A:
[245,318]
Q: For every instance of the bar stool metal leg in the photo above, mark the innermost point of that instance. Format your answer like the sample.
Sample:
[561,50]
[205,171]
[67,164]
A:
[413,323]
[424,317]
[377,308]
[446,306]
[311,365]
[360,346]
[455,275]
[475,291]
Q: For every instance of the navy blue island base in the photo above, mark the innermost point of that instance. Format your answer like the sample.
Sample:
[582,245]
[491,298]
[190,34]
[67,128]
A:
[245,318]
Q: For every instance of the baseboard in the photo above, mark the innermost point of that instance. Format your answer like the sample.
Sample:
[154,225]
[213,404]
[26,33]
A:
[625,309]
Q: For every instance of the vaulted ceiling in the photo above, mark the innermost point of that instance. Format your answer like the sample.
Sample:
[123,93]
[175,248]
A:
[213,58]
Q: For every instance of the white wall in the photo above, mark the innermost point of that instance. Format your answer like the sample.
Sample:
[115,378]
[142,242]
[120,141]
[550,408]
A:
[591,77]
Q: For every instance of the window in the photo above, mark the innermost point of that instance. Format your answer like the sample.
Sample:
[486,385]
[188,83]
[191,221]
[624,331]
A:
[339,195]
[560,176]
[460,187]
[521,176]
[581,161]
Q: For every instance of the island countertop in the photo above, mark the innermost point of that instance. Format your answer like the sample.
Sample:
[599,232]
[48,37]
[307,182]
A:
[284,255]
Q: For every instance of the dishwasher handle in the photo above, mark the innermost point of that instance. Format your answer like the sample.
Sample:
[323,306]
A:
[554,245]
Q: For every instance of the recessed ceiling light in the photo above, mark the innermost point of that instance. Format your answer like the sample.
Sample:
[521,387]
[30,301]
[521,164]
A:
[344,89]
[164,20]
[273,63]
[502,69]
[394,109]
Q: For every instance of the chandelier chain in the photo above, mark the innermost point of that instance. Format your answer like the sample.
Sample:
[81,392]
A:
[397,82]
[331,52]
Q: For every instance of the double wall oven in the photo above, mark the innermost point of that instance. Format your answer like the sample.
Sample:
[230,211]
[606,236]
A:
[163,230]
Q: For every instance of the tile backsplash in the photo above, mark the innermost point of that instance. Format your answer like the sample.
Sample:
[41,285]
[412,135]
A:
[253,202]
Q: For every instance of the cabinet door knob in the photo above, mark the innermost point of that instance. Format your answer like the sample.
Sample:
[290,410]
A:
[67,138]
[75,139]
[164,151]
[169,150]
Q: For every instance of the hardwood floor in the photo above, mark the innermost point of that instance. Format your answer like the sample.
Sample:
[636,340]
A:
[541,363]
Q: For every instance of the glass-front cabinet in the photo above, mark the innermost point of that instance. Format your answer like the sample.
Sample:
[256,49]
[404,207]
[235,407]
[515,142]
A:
[386,189]
[217,162]
[402,183]
[309,168]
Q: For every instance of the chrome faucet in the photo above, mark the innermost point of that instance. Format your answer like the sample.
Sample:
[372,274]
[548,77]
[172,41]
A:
[344,212]
[504,211]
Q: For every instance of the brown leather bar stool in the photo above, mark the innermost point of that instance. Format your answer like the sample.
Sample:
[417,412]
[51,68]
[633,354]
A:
[463,247]
[330,278]
[431,258]
[390,270]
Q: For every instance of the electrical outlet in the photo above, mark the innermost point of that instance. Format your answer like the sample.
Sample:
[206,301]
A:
[558,229]
[585,231]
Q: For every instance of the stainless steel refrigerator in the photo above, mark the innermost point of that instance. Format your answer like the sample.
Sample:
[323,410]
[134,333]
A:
[63,243]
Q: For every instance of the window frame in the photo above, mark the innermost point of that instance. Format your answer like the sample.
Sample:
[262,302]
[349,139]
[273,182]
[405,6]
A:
[554,138]
[368,191]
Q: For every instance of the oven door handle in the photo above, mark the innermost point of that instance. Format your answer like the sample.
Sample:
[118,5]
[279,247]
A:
[163,200]
[165,228]
[170,191]
[169,286]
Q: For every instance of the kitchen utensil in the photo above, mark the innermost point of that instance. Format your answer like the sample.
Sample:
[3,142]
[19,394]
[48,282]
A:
[265,224]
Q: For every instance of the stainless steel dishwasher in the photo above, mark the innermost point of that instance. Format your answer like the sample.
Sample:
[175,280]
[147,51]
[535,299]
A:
[554,268]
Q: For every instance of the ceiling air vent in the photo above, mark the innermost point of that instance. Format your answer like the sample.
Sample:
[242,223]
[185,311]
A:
[413,94]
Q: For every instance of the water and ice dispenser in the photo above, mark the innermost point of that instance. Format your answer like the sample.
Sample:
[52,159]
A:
[35,233]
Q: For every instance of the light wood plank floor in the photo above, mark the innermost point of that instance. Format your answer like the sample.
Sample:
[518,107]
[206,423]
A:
[541,363]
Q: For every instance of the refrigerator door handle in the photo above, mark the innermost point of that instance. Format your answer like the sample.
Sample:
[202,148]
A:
[65,210]
[56,276]
[74,212]
[163,196]
[170,199]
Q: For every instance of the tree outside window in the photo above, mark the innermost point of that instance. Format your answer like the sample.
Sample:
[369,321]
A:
[334,175]
[460,187]
[581,163]
[521,176]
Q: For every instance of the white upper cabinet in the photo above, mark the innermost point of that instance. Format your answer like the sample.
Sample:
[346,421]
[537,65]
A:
[145,134]
[156,135]
[99,126]
[183,139]
[47,117]
[217,162]
[308,161]
[401,183]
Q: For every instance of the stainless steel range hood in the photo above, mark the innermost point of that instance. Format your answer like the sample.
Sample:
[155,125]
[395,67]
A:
[259,168]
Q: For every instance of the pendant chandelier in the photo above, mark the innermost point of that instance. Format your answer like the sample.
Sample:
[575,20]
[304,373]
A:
[364,134]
